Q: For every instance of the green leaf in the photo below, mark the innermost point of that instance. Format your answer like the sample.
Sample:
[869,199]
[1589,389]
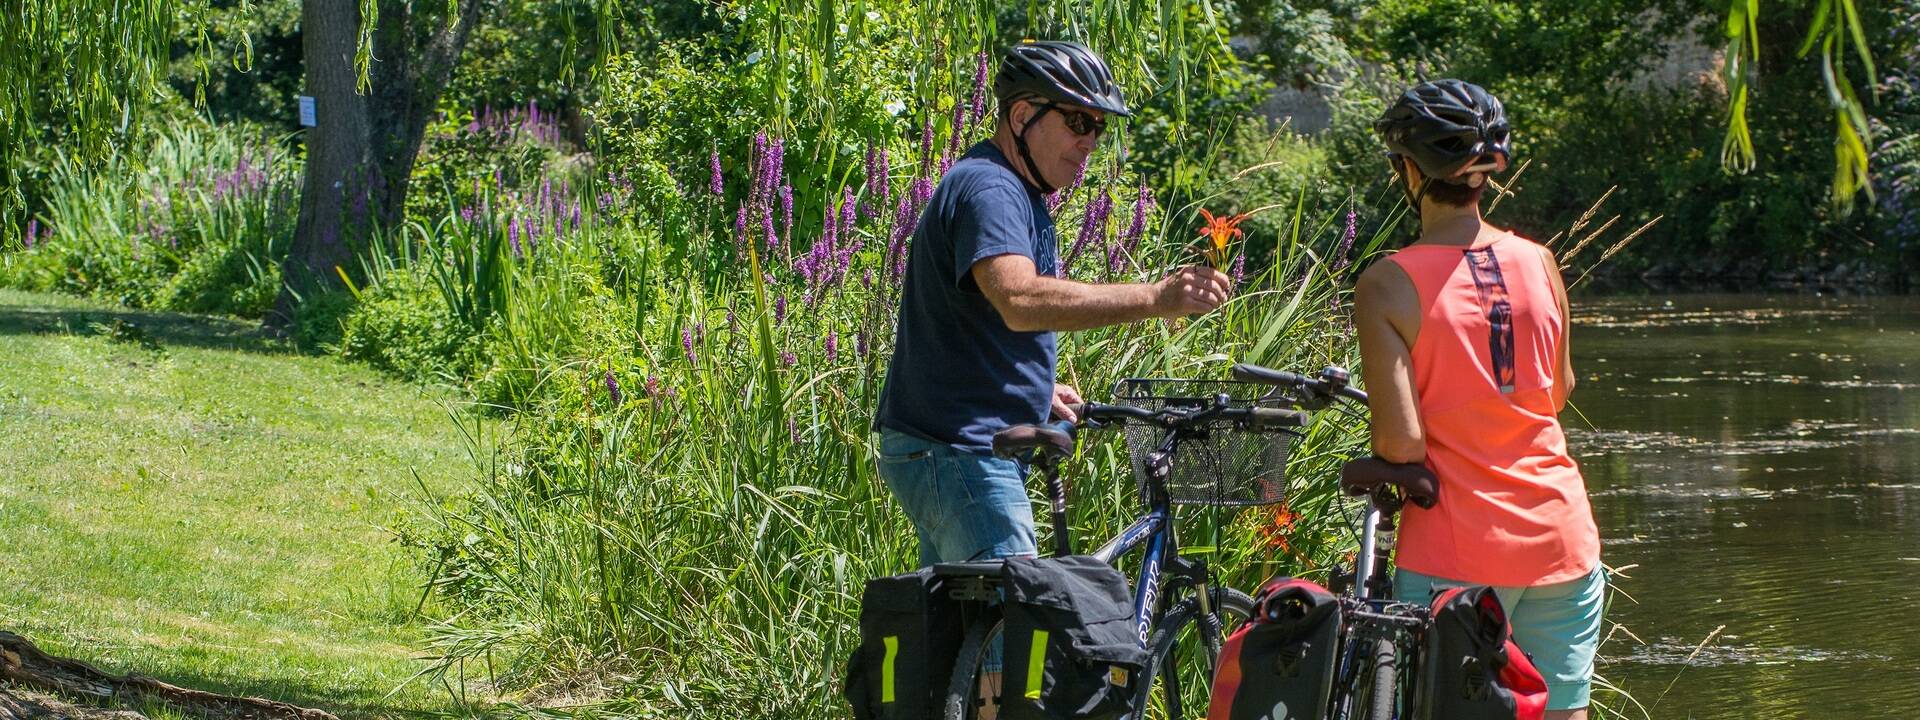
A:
[1819,25]
[1859,41]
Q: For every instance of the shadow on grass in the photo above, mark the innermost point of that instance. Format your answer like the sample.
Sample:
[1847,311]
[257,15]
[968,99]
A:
[344,703]
[150,329]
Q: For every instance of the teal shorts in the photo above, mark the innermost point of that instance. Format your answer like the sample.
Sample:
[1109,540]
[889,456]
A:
[1557,625]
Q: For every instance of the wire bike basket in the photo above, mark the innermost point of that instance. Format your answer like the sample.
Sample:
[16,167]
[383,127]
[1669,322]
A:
[1221,463]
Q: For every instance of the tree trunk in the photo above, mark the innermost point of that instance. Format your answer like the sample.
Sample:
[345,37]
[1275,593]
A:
[361,153]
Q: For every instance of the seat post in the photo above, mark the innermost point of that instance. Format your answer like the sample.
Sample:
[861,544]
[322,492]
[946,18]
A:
[1057,495]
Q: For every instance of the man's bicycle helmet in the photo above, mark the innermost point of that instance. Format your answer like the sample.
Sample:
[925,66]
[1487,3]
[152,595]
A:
[1448,128]
[1059,72]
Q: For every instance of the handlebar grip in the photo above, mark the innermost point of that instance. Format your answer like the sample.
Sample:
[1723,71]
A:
[1254,373]
[1262,418]
[1078,409]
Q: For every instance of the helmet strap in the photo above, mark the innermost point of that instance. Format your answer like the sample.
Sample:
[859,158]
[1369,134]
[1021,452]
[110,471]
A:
[1026,154]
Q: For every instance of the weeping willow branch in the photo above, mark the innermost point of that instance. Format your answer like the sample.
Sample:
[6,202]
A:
[1836,32]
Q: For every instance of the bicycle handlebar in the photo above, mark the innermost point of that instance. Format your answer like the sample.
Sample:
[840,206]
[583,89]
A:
[1331,382]
[1258,418]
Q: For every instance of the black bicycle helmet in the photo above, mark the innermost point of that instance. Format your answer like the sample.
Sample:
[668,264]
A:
[1447,128]
[1060,71]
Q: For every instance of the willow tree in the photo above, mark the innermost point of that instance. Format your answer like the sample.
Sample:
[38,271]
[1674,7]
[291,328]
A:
[76,74]
[1835,33]
[376,69]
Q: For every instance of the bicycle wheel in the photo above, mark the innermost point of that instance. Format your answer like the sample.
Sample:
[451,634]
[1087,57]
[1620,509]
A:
[973,693]
[1375,697]
[1182,655]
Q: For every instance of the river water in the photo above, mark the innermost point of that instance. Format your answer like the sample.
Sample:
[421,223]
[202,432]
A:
[1755,459]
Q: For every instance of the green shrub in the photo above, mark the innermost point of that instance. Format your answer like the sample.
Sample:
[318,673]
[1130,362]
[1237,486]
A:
[197,222]
[403,326]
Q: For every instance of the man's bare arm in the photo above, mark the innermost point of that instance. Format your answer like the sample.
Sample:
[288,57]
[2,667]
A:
[1386,313]
[1030,302]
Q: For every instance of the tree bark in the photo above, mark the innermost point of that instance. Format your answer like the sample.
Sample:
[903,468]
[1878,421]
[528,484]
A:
[361,154]
[22,662]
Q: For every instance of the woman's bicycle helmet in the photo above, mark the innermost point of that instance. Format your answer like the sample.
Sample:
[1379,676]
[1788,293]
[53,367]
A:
[1449,129]
[1059,72]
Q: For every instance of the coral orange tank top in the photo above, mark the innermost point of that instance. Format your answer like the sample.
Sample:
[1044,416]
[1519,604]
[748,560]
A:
[1513,508]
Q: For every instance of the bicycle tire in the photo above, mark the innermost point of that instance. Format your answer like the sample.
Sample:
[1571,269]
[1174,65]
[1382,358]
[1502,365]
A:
[1234,607]
[1383,676]
[964,686]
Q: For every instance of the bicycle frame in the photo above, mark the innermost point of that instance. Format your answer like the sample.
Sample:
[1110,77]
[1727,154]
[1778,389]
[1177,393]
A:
[1162,559]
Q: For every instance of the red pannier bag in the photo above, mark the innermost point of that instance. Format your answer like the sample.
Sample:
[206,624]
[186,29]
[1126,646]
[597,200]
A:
[1279,665]
[1470,668]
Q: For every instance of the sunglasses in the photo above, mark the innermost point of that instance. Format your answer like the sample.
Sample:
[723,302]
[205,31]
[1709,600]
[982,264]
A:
[1079,121]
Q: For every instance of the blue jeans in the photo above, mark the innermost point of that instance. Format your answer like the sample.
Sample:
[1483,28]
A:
[963,506]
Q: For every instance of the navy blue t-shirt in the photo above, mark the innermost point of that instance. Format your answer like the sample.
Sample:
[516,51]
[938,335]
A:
[959,374]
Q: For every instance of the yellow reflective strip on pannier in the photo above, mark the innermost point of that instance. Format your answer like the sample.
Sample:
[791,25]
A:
[1036,662]
[886,667]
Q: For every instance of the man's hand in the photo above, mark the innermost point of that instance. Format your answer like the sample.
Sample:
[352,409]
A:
[1063,396]
[1191,290]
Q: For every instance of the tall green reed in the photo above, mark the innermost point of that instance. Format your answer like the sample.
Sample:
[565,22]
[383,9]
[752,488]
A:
[197,222]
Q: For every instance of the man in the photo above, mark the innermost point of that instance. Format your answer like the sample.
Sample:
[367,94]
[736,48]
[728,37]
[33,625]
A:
[974,350]
[1463,335]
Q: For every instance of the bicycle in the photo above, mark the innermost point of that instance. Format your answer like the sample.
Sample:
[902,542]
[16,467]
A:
[1377,632]
[1235,455]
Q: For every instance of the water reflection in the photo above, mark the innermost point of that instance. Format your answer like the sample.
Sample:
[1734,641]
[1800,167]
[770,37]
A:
[1754,458]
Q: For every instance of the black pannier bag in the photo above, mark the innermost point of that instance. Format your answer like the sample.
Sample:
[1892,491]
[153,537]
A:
[1471,669]
[1279,665]
[909,633]
[1071,652]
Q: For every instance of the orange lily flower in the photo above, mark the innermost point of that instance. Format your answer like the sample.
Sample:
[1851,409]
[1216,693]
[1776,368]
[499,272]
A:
[1219,231]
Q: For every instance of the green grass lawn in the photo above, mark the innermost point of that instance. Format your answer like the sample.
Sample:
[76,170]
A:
[183,499]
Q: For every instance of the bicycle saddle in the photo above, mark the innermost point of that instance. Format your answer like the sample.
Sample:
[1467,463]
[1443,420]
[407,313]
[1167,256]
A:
[1362,475]
[1021,438]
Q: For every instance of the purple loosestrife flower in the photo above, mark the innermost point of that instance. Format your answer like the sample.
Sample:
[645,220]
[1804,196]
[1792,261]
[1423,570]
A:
[979,87]
[849,204]
[860,343]
[922,192]
[788,359]
[779,309]
[613,388]
[777,159]
[926,144]
[466,215]
[1143,205]
[878,188]
[686,344]
[959,131]
[1093,228]
[833,346]
[715,186]
[1239,271]
[786,211]
[1346,241]
[740,227]
[773,241]
[730,319]
[513,236]
[653,386]
[33,232]
[866,278]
